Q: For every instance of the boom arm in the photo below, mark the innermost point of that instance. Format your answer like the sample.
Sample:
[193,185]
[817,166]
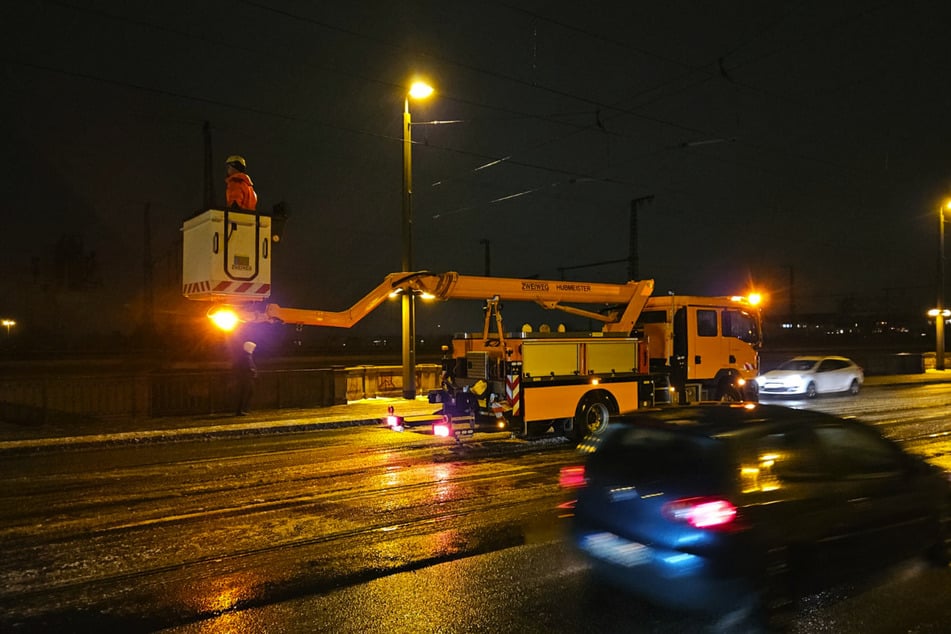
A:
[549,294]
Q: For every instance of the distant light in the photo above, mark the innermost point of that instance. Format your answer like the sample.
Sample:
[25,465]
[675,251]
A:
[944,312]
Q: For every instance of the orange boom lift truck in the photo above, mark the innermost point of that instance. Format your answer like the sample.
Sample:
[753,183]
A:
[649,350]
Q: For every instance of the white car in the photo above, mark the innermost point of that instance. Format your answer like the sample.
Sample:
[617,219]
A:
[809,376]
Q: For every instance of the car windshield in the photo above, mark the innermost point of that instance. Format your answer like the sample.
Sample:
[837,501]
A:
[798,365]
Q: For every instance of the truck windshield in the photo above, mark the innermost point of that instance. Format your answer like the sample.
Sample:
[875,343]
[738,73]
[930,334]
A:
[742,325]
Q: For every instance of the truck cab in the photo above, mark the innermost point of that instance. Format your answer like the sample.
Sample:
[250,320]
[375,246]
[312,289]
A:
[709,346]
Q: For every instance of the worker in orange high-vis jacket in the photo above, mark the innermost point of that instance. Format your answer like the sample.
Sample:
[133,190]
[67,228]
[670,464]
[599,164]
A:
[240,190]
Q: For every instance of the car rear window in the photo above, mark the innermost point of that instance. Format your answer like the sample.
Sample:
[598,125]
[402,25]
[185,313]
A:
[650,451]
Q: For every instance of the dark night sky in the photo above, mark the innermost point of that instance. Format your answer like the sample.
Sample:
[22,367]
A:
[811,135]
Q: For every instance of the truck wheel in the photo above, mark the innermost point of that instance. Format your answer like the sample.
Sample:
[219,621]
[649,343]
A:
[593,416]
[727,392]
[751,392]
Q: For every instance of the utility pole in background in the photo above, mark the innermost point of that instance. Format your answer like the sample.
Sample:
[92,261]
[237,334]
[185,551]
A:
[209,166]
[792,292]
[633,265]
[148,302]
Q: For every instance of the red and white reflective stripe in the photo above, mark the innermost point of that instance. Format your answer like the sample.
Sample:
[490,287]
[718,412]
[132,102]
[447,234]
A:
[227,288]
[196,288]
[513,392]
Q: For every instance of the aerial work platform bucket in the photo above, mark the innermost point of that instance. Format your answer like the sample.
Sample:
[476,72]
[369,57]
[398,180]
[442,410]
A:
[226,256]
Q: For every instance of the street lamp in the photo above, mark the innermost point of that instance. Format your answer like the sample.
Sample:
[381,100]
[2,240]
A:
[8,324]
[939,310]
[940,315]
[419,90]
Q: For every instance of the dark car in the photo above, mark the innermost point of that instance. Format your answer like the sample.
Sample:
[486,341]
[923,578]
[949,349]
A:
[720,506]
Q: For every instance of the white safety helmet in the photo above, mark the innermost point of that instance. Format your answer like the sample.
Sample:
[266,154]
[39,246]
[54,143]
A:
[249,346]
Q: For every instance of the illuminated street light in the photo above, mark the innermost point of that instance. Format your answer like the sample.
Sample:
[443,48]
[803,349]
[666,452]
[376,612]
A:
[8,324]
[939,323]
[419,90]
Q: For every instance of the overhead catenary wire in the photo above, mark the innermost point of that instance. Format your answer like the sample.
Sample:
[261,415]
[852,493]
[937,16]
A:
[492,161]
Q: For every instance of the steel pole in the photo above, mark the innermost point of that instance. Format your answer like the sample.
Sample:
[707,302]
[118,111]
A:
[939,318]
[408,300]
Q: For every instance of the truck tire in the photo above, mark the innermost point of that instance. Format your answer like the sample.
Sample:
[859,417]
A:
[592,417]
[727,391]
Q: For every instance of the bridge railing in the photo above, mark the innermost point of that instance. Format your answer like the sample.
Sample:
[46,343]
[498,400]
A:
[46,398]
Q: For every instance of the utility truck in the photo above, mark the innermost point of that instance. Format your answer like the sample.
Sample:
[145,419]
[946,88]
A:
[648,350]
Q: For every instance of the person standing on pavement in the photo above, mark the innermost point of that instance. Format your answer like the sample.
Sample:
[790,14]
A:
[239,190]
[246,373]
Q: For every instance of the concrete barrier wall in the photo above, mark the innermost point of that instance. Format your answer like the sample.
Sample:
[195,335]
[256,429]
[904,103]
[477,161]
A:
[376,381]
[874,363]
[55,397]
[52,398]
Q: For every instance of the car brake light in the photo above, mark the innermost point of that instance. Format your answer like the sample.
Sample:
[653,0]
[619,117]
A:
[701,512]
[572,477]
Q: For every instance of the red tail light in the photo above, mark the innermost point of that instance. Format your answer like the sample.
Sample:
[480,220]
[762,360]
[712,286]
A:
[572,477]
[701,512]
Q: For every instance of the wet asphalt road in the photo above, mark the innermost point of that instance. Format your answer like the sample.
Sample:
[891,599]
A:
[363,529]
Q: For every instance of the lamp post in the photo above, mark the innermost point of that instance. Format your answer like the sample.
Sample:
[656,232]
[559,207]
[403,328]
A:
[940,311]
[419,90]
